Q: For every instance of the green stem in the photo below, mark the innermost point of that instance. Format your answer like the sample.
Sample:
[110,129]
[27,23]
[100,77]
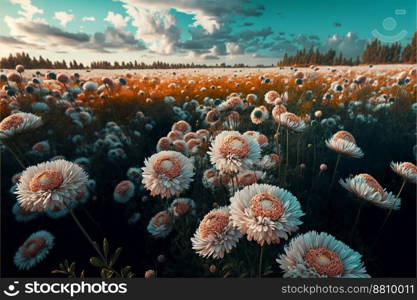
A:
[356,220]
[388,214]
[16,157]
[334,174]
[260,262]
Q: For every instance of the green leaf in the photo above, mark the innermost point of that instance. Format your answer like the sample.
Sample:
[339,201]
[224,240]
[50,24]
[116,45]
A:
[267,273]
[125,272]
[226,267]
[226,275]
[106,273]
[58,272]
[97,262]
[115,256]
[82,275]
[72,268]
[105,248]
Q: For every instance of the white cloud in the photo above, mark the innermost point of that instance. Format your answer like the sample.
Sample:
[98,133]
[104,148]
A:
[208,14]
[117,20]
[40,35]
[88,19]
[63,18]
[233,48]
[28,9]
[158,28]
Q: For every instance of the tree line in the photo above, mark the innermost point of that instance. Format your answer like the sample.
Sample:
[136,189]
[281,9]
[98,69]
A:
[41,63]
[374,53]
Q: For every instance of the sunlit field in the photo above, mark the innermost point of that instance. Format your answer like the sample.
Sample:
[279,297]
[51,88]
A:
[253,172]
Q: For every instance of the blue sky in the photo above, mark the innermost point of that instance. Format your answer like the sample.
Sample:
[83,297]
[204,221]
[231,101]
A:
[250,31]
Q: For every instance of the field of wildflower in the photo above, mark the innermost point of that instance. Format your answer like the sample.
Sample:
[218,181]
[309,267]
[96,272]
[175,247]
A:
[271,172]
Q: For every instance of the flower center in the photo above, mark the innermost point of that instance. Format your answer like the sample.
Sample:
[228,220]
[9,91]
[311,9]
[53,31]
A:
[213,223]
[122,187]
[11,121]
[46,180]
[262,139]
[272,95]
[267,205]
[371,182]
[258,114]
[409,167]
[32,247]
[168,166]
[324,261]
[247,179]
[161,218]
[235,145]
[344,135]
[181,207]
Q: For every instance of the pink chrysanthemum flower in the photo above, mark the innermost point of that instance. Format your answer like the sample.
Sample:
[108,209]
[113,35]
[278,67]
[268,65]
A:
[231,152]
[181,126]
[167,173]
[216,234]
[406,170]
[365,187]
[313,255]
[50,184]
[161,224]
[343,142]
[292,122]
[259,115]
[34,250]
[124,191]
[17,123]
[265,213]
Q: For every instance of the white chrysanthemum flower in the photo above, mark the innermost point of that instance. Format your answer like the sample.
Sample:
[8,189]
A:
[231,152]
[34,250]
[17,123]
[167,173]
[161,224]
[366,187]
[406,170]
[216,234]
[50,184]
[313,255]
[292,122]
[343,142]
[266,213]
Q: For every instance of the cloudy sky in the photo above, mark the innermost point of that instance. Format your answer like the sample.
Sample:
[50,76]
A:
[200,31]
